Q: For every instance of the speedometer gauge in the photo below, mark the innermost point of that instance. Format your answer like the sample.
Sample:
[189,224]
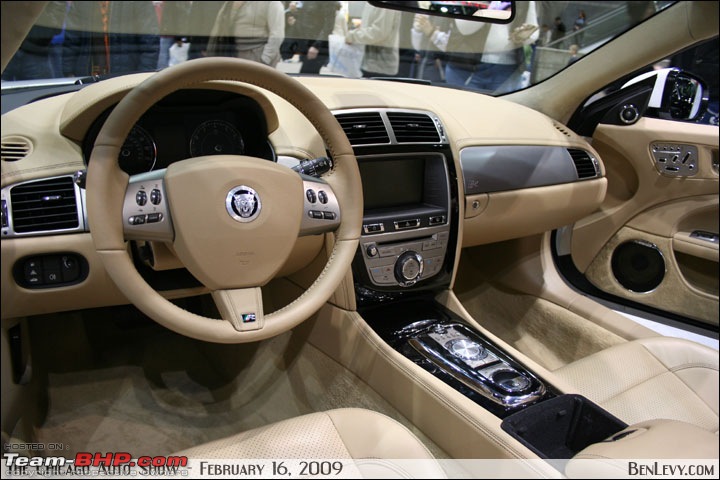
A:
[139,153]
[216,137]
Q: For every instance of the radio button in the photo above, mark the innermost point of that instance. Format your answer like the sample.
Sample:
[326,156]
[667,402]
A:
[374,228]
[429,244]
[387,251]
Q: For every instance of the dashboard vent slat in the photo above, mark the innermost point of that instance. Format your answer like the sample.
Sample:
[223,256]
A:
[584,164]
[14,148]
[44,205]
[363,128]
[413,127]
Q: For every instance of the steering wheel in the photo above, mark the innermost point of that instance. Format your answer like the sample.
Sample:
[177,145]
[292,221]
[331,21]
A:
[232,220]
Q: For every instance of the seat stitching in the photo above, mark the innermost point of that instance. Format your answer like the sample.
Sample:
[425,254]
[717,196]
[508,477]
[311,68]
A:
[407,430]
[655,376]
[337,432]
[686,366]
[634,386]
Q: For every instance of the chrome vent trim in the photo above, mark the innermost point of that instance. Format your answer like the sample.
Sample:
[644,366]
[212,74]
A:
[43,207]
[585,164]
[413,127]
[400,126]
[364,128]
[14,148]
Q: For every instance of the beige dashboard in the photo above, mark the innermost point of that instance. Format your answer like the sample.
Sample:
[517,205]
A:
[53,130]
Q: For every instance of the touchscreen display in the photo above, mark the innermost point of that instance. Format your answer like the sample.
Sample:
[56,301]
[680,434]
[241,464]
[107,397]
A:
[392,183]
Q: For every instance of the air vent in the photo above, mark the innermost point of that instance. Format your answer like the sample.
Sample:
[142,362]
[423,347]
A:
[45,205]
[363,128]
[413,127]
[15,148]
[562,129]
[584,163]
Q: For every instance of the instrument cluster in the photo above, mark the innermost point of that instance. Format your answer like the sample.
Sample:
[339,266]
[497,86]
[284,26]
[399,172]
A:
[188,124]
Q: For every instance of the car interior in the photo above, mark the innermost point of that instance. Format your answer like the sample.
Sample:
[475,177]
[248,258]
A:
[385,270]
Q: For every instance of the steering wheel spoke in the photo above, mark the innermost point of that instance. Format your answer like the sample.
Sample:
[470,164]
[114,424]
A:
[146,212]
[321,210]
[242,307]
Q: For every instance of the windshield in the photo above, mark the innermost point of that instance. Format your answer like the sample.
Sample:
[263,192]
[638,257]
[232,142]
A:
[73,40]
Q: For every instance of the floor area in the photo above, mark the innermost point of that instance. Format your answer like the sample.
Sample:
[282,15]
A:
[122,383]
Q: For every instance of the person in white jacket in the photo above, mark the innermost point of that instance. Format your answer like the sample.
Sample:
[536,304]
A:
[483,56]
[379,32]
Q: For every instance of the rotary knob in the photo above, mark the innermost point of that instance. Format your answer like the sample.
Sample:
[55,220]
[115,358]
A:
[408,268]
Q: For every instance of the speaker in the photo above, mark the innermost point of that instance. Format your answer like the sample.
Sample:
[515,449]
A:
[639,266]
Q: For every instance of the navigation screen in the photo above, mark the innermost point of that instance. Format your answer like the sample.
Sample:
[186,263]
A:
[392,183]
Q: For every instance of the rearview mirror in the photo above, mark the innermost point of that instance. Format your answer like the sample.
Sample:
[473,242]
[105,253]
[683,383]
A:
[492,12]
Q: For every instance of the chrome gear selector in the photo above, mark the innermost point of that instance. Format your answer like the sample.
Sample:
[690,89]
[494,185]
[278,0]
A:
[466,349]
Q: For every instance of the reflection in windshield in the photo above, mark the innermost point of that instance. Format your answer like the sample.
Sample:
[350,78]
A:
[348,38]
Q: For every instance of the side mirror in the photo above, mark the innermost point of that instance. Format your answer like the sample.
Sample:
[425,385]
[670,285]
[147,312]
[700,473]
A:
[492,12]
[676,95]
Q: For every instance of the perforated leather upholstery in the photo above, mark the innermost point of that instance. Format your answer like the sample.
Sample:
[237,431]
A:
[347,433]
[651,378]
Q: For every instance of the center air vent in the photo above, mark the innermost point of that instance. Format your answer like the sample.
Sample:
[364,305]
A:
[363,128]
[413,127]
[45,205]
[585,165]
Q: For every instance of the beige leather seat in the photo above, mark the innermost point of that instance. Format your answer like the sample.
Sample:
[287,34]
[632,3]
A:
[346,433]
[649,379]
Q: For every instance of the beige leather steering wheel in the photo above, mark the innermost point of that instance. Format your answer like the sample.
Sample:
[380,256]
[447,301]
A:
[232,220]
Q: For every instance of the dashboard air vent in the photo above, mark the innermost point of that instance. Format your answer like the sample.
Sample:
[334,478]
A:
[562,129]
[15,148]
[44,205]
[584,163]
[413,127]
[363,128]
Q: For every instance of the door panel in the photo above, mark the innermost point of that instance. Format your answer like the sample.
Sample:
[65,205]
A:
[654,240]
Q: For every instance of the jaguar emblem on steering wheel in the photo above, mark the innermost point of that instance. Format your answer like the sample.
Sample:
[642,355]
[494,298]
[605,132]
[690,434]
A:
[243,204]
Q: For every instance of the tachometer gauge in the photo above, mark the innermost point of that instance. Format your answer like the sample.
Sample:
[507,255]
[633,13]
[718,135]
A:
[216,137]
[139,152]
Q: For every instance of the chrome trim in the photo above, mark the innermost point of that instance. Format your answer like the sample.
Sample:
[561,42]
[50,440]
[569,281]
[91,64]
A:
[647,244]
[161,230]
[310,225]
[80,208]
[476,384]
[391,134]
[234,204]
[416,220]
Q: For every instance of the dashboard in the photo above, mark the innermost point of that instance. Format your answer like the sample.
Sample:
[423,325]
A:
[190,123]
[427,192]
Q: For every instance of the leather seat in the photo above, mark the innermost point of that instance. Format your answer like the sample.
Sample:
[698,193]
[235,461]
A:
[651,378]
[346,433]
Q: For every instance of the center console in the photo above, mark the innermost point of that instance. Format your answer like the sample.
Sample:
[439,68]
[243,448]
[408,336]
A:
[439,341]
[406,224]
[406,255]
